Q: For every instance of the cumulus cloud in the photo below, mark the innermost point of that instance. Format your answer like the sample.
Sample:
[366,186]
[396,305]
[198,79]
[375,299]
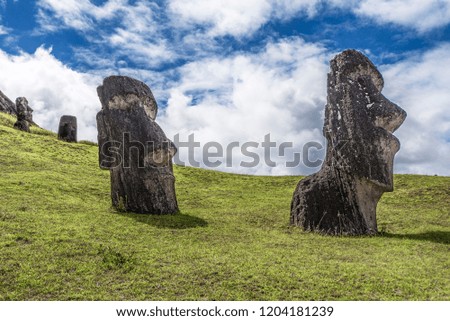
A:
[76,14]
[279,91]
[420,85]
[136,33]
[236,17]
[52,89]
[422,15]
[282,91]
[242,18]
[151,34]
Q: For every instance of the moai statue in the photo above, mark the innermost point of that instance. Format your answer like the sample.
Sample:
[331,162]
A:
[134,148]
[24,115]
[67,130]
[341,199]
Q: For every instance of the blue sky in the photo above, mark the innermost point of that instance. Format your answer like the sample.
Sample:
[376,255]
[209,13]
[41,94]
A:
[233,70]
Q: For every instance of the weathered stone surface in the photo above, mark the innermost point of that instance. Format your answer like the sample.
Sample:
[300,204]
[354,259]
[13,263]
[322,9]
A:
[6,105]
[24,114]
[359,121]
[67,130]
[22,104]
[134,148]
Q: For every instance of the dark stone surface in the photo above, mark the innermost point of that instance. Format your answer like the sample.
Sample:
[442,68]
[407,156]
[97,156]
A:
[134,148]
[67,130]
[24,115]
[6,105]
[22,104]
[359,121]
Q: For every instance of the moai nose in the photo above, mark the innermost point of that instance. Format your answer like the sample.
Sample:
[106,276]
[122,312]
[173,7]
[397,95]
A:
[389,116]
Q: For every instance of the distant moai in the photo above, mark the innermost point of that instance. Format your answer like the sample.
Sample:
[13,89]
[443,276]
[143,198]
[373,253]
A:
[24,115]
[134,148]
[359,121]
[67,130]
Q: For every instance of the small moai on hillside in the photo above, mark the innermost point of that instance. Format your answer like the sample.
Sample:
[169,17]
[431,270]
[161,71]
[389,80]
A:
[24,115]
[134,148]
[67,130]
[359,121]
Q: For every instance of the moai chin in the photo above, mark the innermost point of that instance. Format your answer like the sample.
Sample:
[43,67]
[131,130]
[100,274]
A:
[67,130]
[359,121]
[134,148]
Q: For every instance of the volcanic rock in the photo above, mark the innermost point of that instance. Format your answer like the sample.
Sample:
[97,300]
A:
[67,130]
[134,148]
[359,121]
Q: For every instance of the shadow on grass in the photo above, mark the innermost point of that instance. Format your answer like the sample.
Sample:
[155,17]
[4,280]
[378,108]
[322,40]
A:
[442,237]
[172,221]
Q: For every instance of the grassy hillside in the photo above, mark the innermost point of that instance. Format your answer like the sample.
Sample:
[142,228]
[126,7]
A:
[60,239]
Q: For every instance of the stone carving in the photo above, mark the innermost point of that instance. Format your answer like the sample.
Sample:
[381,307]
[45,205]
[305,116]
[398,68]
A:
[24,115]
[359,121]
[67,130]
[134,148]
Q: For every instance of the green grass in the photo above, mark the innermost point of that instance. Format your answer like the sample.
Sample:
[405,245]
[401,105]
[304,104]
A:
[61,240]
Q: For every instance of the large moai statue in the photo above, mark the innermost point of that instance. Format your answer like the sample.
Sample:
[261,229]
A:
[67,130]
[341,199]
[134,148]
[24,115]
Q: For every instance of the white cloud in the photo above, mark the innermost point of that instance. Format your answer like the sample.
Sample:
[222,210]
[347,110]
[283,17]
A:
[236,17]
[3,30]
[243,18]
[76,14]
[419,84]
[233,17]
[153,34]
[280,91]
[136,33]
[420,15]
[72,13]
[52,89]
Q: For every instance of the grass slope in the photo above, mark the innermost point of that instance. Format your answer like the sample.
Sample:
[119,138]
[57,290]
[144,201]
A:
[60,239]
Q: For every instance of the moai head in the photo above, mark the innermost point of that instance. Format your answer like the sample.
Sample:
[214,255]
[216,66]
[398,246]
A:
[128,116]
[125,93]
[359,121]
[67,130]
[22,107]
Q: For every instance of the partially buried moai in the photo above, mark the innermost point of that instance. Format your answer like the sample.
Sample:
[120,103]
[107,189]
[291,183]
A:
[134,148]
[67,129]
[24,115]
[359,121]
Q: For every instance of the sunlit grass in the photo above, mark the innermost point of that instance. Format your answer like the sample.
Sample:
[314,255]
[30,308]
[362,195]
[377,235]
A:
[60,239]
